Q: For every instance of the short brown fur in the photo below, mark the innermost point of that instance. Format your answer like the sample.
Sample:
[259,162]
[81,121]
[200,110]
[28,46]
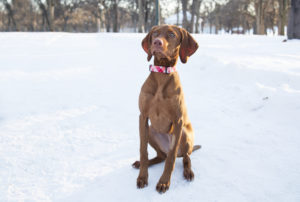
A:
[161,101]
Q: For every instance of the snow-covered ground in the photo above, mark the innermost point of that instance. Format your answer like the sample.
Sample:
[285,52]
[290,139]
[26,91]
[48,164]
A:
[69,119]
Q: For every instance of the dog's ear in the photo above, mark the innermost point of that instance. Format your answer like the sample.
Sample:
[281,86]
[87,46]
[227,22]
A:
[146,43]
[188,46]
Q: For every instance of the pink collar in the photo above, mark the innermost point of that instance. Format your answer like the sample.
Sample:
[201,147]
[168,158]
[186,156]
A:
[161,69]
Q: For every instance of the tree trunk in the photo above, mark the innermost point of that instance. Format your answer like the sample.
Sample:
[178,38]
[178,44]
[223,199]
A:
[146,16]
[202,26]
[294,20]
[197,16]
[194,7]
[45,16]
[260,24]
[157,13]
[141,17]
[115,19]
[11,18]
[107,21]
[217,26]
[217,18]
[31,26]
[254,28]
[184,9]
[282,16]
[50,11]
[66,18]
[177,12]
[100,20]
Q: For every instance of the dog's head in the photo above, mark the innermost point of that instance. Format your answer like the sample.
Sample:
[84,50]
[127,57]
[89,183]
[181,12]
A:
[167,42]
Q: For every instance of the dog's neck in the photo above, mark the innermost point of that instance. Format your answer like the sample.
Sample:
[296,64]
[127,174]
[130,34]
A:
[163,79]
[165,62]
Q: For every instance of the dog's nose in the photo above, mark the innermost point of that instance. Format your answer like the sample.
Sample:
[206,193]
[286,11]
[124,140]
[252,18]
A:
[158,42]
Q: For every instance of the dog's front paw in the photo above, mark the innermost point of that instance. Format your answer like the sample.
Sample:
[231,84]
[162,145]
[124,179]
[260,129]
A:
[162,187]
[136,165]
[188,174]
[142,181]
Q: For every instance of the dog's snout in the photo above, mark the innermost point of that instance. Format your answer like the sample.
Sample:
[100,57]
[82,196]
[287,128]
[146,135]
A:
[158,42]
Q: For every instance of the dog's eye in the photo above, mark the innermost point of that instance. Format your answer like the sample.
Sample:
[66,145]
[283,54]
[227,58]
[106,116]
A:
[155,34]
[171,35]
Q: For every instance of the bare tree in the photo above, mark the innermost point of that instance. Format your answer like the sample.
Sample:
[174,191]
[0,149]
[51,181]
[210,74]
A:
[184,14]
[282,16]
[260,11]
[193,13]
[50,12]
[115,15]
[294,20]
[67,12]
[10,16]
[197,15]
[141,16]
[45,18]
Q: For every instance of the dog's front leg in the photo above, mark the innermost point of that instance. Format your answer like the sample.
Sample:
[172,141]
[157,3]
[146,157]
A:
[142,179]
[164,181]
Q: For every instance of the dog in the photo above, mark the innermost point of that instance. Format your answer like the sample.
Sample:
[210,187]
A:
[161,102]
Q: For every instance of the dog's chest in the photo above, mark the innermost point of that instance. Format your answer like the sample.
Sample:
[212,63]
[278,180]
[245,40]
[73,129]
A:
[160,101]
[159,112]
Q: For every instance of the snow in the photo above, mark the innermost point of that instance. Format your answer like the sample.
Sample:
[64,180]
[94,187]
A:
[69,119]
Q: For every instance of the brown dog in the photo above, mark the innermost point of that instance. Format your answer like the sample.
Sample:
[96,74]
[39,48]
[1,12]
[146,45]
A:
[161,100]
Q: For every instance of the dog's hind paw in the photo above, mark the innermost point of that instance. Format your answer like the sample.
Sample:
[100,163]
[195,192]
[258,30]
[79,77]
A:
[136,165]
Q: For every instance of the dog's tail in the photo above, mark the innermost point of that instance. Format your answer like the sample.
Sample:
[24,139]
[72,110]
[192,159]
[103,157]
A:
[196,147]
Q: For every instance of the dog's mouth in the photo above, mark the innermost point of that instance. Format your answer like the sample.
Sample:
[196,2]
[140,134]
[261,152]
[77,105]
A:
[156,50]
[159,53]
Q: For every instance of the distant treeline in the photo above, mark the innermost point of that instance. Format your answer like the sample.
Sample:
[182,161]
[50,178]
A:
[233,16]
[70,15]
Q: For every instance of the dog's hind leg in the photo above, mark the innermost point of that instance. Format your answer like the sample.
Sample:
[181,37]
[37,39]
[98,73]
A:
[160,157]
[155,160]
